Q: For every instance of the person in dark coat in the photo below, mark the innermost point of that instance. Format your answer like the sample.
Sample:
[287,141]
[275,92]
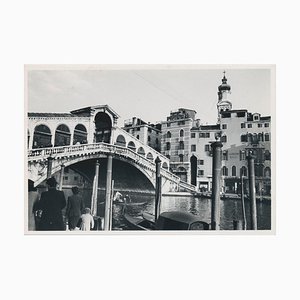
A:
[51,203]
[74,208]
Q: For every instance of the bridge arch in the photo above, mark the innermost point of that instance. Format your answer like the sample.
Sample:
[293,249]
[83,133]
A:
[62,136]
[120,141]
[131,145]
[80,134]
[141,151]
[103,125]
[42,136]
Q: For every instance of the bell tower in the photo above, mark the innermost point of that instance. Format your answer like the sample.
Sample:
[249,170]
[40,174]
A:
[224,92]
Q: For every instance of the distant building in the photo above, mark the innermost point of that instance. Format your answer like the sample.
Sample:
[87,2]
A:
[147,133]
[187,143]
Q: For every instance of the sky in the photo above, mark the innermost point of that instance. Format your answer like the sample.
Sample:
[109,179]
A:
[149,94]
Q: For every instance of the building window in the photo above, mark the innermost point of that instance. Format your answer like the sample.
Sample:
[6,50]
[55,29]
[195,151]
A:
[242,155]
[243,125]
[240,114]
[267,137]
[201,162]
[169,134]
[193,148]
[168,124]
[202,135]
[200,172]
[207,147]
[193,135]
[207,134]
[249,125]
[260,137]
[181,157]
[266,124]
[256,118]
[149,139]
[156,141]
[181,145]
[259,125]
[243,171]
[224,139]
[226,115]
[267,155]
[224,171]
[225,155]
[181,133]
[168,146]
[233,171]
[244,138]
[66,177]
[224,126]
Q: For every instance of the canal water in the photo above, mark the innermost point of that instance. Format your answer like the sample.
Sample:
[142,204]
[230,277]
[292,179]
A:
[230,209]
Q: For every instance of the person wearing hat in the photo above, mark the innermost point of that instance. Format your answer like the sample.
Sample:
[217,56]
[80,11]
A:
[51,203]
[74,208]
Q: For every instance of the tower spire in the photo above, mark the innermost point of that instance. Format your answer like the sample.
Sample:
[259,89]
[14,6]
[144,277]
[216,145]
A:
[224,103]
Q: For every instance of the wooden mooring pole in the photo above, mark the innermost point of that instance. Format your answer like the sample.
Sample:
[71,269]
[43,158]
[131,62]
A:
[49,166]
[157,188]
[107,214]
[252,195]
[216,185]
[61,177]
[243,204]
[95,191]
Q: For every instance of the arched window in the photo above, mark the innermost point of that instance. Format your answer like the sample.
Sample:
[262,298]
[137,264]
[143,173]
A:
[150,156]
[244,138]
[62,136]
[181,145]
[181,157]
[42,137]
[260,137]
[120,141]
[168,146]
[80,135]
[249,138]
[267,155]
[141,151]
[169,134]
[224,171]
[243,171]
[181,133]
[267,172]
[131,146]
[233,171]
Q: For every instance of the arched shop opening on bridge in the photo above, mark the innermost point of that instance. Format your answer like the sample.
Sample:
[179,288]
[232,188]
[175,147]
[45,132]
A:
[62,136]
[103,126]
[80,135]
[42,137]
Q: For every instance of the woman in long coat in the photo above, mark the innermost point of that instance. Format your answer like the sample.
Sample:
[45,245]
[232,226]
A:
[51,203]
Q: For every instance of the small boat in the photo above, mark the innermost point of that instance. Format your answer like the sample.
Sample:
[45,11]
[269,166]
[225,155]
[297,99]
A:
[172,220]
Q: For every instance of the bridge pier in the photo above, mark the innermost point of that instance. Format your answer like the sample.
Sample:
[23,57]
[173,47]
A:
[95,191]
[61,176]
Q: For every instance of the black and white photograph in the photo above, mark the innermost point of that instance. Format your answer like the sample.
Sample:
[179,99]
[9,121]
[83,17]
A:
[151,148]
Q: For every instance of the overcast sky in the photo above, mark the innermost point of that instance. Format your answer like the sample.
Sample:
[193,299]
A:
[148,94]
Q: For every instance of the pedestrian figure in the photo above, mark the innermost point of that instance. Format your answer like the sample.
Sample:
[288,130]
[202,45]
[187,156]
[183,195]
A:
[74,208]
[51,204]
[33,198]
[86,220]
